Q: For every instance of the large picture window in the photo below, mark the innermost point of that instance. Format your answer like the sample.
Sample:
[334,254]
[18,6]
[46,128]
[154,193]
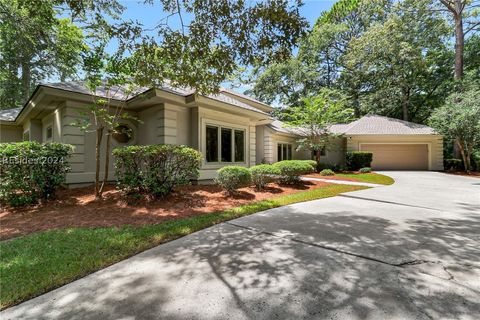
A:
[284,151]
[227,142]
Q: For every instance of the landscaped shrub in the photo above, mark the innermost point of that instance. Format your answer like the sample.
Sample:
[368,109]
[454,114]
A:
[129,163]
[312,163]
[327,172]
[30,171]
[291,170]
[365,170]
[263,174]
[155,169]
[453,164]
[358,159]
[231,178]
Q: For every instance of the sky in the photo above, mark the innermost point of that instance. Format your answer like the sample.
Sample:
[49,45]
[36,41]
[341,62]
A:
[149,15]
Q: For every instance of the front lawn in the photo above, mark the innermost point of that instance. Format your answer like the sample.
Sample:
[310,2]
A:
[39,262]
[368,177]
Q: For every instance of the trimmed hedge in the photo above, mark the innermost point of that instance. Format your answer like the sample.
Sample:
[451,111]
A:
[365,170]
[155,169]
[30,171]
[263,174]
[231,178]
[327,172]
[358,159]
[291,170]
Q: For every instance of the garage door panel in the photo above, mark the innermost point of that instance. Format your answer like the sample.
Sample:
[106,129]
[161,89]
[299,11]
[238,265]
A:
[398,156]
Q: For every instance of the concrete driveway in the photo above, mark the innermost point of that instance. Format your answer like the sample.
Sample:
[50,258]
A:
[406,251]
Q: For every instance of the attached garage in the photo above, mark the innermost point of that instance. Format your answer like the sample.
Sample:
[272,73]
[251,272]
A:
[398,156]
[395,144]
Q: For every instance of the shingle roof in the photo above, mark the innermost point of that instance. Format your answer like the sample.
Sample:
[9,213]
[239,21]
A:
[243,96]
[119,93]
[379,125]
[9,114]
[368,125]
[280,126]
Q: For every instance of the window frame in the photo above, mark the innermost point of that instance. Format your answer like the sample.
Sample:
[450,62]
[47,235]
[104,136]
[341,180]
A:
[223,126]
[286,148]
[47,138]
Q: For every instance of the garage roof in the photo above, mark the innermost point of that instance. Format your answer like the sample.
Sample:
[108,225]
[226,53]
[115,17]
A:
[379,125]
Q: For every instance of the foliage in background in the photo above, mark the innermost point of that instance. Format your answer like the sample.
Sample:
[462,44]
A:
[155,169]
[392,58]
[30,171]
[358,159]
[35,44]
[459,120]
[231,178]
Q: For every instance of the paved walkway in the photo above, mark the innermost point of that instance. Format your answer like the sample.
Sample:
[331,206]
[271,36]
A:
[406,251]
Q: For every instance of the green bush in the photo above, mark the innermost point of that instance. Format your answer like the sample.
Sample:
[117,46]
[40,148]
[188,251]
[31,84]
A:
[453,164]
[30,171]
[365,170]
[476,160]
[358,159]
[231,178]
[155,169]
[291,170]
[327,172]
[263,174]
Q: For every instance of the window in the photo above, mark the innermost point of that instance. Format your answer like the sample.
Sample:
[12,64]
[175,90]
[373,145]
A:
[226,142]
[212,144]
[239,145]
[226,145]
[49,133]
[323,152]
[284,151]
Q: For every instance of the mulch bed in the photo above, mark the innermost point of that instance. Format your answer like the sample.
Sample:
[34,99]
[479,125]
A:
[473,174]
[78,208]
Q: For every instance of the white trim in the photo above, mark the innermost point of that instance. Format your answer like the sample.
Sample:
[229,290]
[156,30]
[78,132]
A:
[429,148]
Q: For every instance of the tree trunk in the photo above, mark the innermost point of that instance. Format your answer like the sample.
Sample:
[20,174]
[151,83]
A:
[98,143]
[459,40]
[405,103]
[317,157]
[26,80]
[466,162]
[107,161]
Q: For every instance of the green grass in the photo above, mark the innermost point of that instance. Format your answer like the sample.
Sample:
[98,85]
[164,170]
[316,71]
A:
[37,263]
[369,177]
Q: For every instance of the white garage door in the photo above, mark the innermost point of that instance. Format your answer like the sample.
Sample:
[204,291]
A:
[398,156]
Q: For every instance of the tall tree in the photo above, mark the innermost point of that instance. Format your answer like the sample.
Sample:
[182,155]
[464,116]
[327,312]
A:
[466,19]
[398,61]
[459,120]
[33,47]
[319,61]
[215,38]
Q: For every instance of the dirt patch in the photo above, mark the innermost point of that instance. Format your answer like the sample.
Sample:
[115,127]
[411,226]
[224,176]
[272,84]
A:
[78,208]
